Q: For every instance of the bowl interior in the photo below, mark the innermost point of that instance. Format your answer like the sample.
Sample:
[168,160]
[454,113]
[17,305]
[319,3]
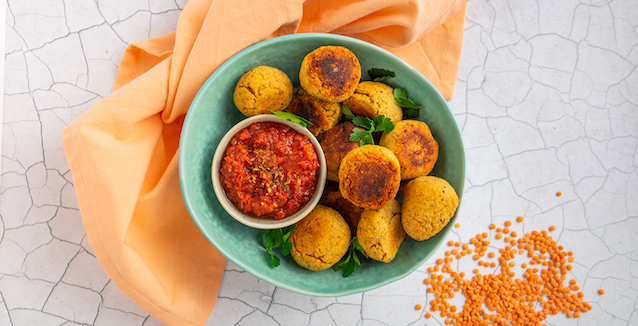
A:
[264,223]
[212,114]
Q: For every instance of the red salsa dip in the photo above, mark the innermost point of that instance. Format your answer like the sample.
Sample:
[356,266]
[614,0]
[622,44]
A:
[269,170]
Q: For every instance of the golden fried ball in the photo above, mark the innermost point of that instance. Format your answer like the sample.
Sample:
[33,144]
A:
[330,73]
[380,232]
[428,205]
[369,176]
[320,239]
[415,147]
[371,99]
[262,89]
[336,144]
[323,115]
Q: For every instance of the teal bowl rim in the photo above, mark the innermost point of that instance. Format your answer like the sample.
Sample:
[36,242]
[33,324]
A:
[323,37]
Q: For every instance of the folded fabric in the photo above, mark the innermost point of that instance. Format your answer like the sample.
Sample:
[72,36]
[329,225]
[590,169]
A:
[123,151]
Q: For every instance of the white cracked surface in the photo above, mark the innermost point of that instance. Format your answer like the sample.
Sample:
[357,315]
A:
[546,99]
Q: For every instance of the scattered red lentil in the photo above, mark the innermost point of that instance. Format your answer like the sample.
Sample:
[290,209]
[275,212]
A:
[559,193]
[418,307]
[509,300]
[508,223]
[601,291]
[519,219]
[457,225]
[552,228]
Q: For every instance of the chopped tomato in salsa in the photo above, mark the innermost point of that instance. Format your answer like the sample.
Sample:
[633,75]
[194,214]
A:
[269,170]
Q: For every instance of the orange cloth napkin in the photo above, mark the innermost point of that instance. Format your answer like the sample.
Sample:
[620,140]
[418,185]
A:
[123,151]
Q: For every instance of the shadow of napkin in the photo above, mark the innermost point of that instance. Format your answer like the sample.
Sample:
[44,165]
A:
[123,151]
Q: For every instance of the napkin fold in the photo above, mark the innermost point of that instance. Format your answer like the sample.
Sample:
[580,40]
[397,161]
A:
[123,151]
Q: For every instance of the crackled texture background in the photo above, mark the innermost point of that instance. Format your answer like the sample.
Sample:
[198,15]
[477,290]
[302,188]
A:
[546,98]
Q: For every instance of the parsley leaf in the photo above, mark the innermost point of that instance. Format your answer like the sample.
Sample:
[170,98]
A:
[357,134]
[278,239]
[378,74]
[350,261]
[363,122]
[347,112]
[292,118]
[383,124]
[401,99]
[379,123]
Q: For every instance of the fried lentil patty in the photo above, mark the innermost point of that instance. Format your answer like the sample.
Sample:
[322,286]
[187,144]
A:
[330,73]
[429,203]
[336,144]
[369,176]
[371,99]
[262,89]
[380,232]
[323,115]
[320,239]
[415,147]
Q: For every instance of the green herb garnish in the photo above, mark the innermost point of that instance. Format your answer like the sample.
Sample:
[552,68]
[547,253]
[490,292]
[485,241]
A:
[347,112]
[350,261]
[278,238]
[292,118]
[379,123]
[401,99]
[378,74]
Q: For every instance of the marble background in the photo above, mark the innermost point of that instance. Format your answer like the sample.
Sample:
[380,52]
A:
[546,99]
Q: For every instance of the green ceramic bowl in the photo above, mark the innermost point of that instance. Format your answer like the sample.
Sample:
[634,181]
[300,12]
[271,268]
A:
[212,114]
